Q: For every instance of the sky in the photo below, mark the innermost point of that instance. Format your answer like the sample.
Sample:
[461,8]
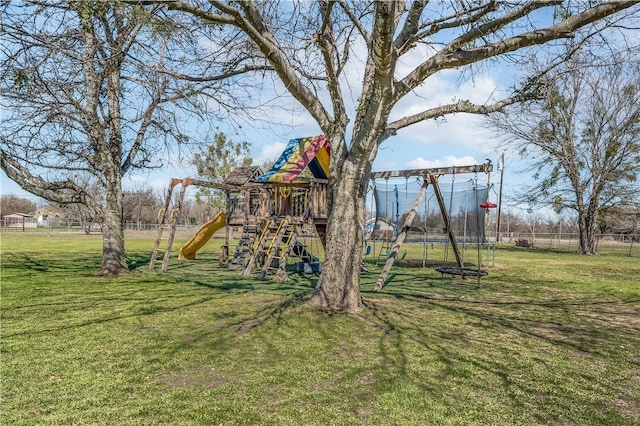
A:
[456,140]
[460,140]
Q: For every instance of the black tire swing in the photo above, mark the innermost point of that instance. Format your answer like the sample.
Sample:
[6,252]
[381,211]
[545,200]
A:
[461,270]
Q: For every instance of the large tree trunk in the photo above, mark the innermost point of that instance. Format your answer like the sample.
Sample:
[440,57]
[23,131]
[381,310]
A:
[113,254]
[339,285]
[587,228]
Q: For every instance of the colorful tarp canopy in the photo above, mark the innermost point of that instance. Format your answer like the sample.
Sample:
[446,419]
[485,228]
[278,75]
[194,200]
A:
[312,152]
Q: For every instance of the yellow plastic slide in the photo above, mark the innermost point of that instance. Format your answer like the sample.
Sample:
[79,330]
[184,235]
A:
[204,234]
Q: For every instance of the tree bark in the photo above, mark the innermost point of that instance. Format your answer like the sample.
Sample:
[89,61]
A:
[587,228]
[113,254]
[339,285]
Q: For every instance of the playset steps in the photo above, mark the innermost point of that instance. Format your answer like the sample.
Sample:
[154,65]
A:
[167,221]
[271,249]
[244,249]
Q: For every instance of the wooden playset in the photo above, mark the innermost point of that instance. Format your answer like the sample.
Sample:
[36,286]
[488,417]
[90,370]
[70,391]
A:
[265,212]
[268,211]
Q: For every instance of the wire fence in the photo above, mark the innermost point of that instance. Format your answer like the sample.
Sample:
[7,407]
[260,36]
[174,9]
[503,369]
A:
[150,230]
[566,241]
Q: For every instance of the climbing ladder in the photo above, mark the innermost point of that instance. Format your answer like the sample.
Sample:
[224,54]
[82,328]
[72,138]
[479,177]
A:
[257,250]
[270,251]
[278,253]
[167,221]
[245,247]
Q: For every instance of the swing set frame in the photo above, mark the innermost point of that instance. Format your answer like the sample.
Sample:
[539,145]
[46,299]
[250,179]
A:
[430,177]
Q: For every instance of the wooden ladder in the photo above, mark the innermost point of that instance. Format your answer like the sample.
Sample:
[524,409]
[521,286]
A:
[244,249]
[167,221]
[274,251]
[286,247]
[258,248]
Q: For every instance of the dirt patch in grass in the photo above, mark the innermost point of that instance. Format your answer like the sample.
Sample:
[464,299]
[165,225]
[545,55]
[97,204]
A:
[617,313]
[203,376]
[247,325]
[627,405]
[500,266]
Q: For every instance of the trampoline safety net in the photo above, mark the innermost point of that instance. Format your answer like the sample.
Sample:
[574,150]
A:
[394,200]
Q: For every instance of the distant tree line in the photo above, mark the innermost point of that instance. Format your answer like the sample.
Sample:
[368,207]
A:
[140,211]
[10,204]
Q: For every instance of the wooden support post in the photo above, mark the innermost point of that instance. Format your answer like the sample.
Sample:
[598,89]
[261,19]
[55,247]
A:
[162,217]
[174,223]
[285,248]
[321,230]
[436,171]
[447,220]
[400,238]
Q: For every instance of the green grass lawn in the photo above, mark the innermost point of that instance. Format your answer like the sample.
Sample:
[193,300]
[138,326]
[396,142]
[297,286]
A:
[547,338]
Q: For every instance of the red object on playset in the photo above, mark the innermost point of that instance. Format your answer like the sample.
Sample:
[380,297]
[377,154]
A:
[488,205]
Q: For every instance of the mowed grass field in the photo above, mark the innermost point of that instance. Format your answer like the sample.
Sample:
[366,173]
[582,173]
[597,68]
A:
[547,338]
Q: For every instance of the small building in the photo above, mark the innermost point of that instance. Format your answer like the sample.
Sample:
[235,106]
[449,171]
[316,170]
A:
[19,221]
[48,216]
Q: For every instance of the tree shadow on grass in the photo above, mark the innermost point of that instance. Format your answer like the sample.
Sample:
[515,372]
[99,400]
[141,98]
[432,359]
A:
[529,307]
[37,264]
[128,296]
[273,311]
[139,312]
[288,295]
[500,339]
[284,295]
[138,260]
[572,322]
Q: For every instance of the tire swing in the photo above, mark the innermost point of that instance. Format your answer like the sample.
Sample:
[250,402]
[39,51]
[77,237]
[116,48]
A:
[461,270]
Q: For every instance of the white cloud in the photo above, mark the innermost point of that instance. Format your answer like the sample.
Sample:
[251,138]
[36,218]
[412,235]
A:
[448,161]
[270,152]
[443,89]
[455,134]
[457,130]
[412,59]
[143,181]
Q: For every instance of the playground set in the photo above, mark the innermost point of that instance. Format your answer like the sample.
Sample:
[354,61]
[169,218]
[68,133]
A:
[270,209]
[404,212]
[271,212]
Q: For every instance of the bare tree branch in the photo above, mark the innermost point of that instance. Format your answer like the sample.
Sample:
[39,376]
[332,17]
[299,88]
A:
[462,106]
[64,192]
[219,77]
[459,19]
[446,59]
[256,29]
[356,21]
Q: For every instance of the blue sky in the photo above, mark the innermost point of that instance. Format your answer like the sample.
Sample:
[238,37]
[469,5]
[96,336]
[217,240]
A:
[456,140]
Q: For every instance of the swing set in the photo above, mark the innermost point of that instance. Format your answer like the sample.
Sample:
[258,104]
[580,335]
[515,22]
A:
[395,224]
